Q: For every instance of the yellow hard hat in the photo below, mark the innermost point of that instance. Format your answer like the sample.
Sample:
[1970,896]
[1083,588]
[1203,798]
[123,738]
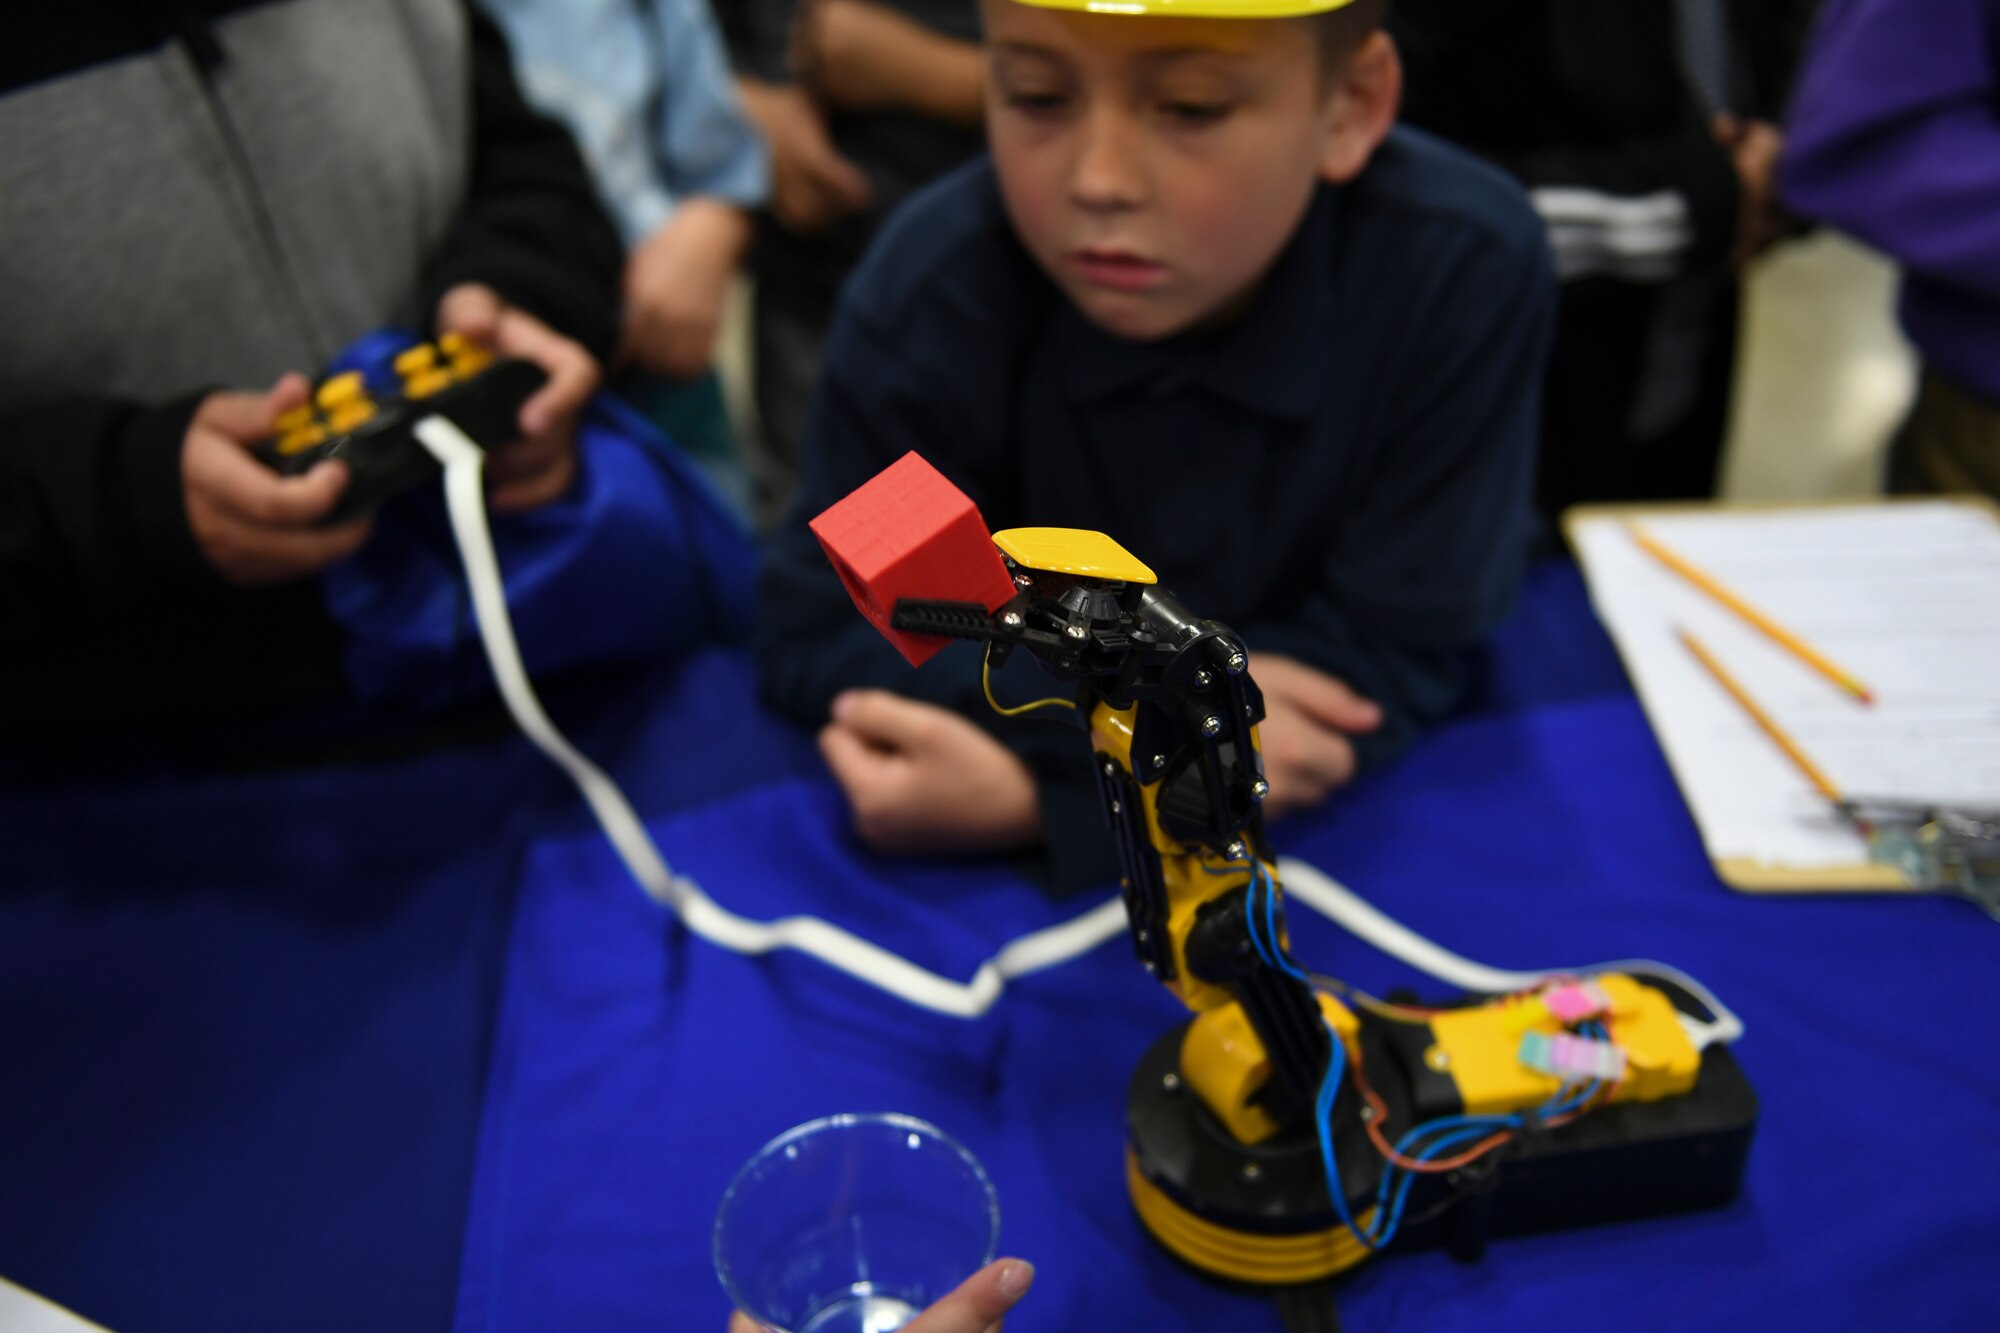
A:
[1197,9]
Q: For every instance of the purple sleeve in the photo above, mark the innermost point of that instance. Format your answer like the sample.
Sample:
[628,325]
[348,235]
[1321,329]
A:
[1894,134]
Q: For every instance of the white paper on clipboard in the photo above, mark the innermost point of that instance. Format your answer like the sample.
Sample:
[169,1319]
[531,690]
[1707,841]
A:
[1905,596]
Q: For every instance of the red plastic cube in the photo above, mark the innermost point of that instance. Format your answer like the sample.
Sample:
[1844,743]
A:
[907,532]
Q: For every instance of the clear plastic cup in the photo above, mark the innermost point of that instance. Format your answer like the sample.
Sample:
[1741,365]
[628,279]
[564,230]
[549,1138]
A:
[853,1224]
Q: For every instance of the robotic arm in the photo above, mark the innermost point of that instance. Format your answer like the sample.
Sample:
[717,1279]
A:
[1257,1148]
[1173,716]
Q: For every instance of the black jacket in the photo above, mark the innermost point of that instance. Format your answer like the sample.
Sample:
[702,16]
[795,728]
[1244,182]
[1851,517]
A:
[1591,107]
[203,196]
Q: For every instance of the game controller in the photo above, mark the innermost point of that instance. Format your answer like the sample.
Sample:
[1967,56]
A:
[365,420]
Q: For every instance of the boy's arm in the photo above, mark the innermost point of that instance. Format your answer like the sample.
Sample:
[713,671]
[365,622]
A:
[1895,134]
[530,227]
[812,184]
[884,393]
[863,56]
[812,644]
[91,514]
[707,145]
[107,508]
[718,170]
[94,508]
[1429,559]
[880,397]
[646,91]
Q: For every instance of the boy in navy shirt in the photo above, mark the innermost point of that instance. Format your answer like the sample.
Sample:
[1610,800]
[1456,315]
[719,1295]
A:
[1204,299]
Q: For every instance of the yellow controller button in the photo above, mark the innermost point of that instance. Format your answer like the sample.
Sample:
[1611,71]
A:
[309,436]
[429,383]
[342,388]
[416,361]
[467,356]
[349,416]
[471,361]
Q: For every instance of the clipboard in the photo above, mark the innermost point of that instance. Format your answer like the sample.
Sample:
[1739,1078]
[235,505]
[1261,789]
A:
[1637,599]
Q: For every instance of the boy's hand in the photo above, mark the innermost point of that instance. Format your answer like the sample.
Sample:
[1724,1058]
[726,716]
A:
[677,287]
[539,467]
[812,185]
[923,779]
[1308,716]
[253,525]
[976,1307]
[1754,147]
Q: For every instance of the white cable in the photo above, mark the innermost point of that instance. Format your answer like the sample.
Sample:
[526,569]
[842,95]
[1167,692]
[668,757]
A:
[864,960]
[464,498]
[1337,903]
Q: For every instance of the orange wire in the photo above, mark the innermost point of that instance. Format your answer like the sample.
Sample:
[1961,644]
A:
[1380,1108]
[1382,1144]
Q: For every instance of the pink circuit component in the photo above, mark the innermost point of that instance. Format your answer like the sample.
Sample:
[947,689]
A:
[1571,1058]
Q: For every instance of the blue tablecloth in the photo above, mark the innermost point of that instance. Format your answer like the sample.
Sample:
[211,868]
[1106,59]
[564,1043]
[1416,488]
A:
[262,1038]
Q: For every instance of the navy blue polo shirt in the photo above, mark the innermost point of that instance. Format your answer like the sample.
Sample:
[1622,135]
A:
[1341,474]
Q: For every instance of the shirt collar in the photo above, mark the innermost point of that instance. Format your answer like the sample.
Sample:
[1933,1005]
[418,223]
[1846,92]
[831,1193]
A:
[1270,360]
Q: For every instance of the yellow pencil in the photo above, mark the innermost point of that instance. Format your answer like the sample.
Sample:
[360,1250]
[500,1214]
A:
[1813,772]
[1791,642]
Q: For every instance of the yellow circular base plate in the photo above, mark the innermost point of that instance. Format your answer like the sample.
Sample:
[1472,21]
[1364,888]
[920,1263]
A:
[1243,1256]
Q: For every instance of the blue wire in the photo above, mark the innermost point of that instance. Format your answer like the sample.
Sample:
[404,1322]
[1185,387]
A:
[1329,1090]
[1250,919]
[1443,1134]
[1464,1129]
[1568,1100]
[1482,1123]
[1336,1066]
[1282,960]
[1273,955]
[1393,1209]
[1271,932]
[1456,1131]
[1271,950]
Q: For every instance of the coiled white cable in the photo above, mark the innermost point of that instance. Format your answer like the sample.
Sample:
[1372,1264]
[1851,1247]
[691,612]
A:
[1310,885]
[465,500]
[866,961]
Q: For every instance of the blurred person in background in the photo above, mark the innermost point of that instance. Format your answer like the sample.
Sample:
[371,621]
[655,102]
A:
[645,87]
[862,103]
[1895,137]
[200,206]
[1647,134]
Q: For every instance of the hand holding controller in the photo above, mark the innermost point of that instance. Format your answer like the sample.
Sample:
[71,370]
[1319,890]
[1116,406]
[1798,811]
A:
[366,424]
